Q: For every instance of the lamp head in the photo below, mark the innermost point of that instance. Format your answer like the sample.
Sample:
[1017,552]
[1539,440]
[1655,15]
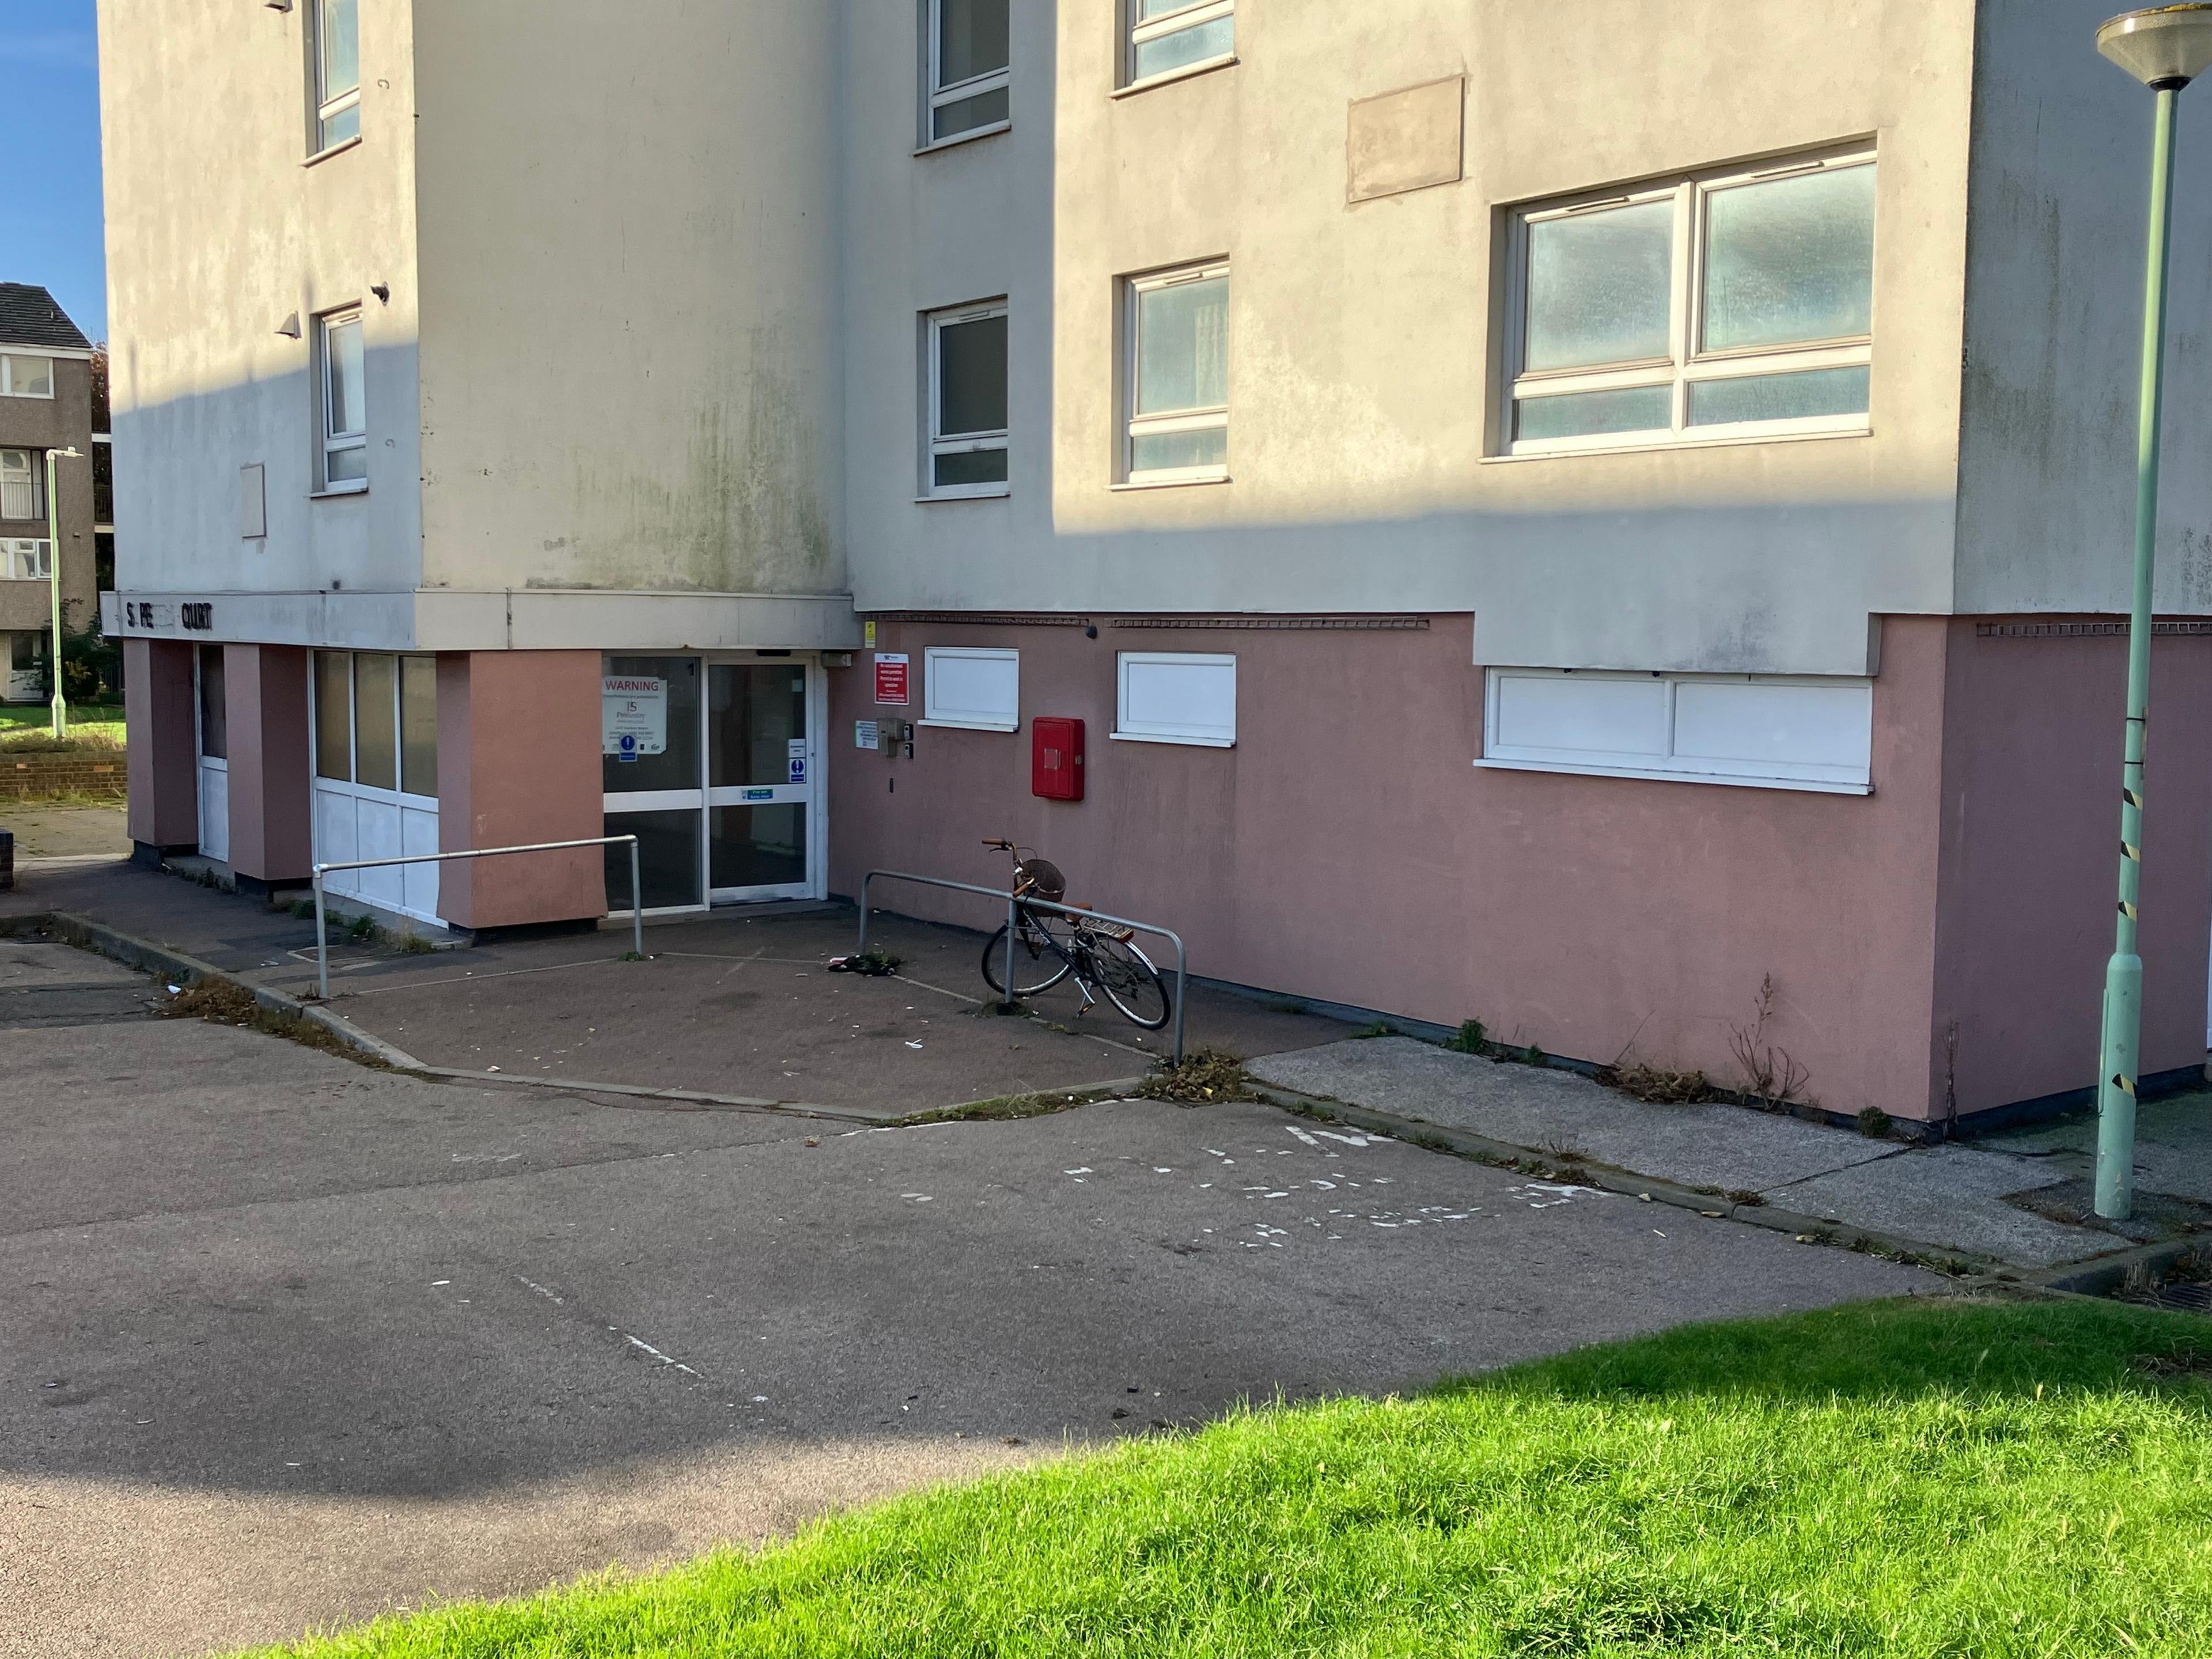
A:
[2163,46]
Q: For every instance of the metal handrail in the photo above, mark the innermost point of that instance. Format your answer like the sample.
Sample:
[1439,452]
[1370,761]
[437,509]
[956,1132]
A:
[322,935]
[1015,903]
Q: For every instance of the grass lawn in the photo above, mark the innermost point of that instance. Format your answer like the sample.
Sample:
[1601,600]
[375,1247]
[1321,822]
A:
[35,719]
[1896,1478]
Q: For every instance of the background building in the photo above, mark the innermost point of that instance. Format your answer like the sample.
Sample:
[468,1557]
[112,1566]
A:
[1564,520]
[45,403]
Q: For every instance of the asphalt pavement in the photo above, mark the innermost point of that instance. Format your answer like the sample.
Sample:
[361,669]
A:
[291,1340]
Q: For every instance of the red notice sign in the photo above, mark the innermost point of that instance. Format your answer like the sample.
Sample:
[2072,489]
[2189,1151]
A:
[890,676]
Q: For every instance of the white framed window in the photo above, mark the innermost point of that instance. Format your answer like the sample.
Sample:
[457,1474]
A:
[334,43]
[972,687]
[1169,37]
[1714,306]
[22,376]
[1175,697]
[967,351]
[25,560]
[22,484]
[343,397]
[1175,375]
[970,70]
[1762,731]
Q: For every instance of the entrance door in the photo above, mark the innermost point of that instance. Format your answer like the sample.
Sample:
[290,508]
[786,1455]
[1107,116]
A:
[761,791]
[214,729]
[715,766]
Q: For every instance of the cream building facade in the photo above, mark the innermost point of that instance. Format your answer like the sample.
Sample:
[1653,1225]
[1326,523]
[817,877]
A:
[1555,518]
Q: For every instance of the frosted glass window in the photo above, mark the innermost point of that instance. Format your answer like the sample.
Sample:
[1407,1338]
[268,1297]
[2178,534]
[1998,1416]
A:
[1791,260]
[334,716]
[1178,390]
[1717,306]
[1166,35]
[1182,356]
[376,720]
[1581,414]
[418,726]
[26,377]
[345,404]
[1599,286]
[338,72]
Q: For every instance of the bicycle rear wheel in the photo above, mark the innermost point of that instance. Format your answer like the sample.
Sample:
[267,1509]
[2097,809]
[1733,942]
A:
[1127,976]
[1039,963]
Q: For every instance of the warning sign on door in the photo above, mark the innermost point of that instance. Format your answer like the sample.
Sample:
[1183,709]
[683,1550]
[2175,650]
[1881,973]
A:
[632,715]
[890,676]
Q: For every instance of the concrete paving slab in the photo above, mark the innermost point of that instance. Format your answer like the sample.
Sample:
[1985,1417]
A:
[28,964]
[293,1341]
[1722,1148]
[1953,1196]
[73,832]
[2173,1144]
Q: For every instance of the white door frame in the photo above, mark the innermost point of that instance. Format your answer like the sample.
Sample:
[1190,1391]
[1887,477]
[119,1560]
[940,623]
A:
[204,764]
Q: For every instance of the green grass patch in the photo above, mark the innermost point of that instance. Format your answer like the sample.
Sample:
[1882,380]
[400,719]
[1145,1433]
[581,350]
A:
[1941,1478]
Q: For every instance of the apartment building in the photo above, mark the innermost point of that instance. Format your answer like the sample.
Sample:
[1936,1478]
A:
[46,405]
[1575,518]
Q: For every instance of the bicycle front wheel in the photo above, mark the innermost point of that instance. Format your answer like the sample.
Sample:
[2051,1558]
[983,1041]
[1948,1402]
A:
[1038,963]
[1127,976]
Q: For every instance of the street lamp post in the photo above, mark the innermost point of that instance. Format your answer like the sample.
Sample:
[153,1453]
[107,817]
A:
[54,582]
[2165,47]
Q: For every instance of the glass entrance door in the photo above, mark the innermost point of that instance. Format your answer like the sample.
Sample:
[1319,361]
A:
[760,781]
[713,764]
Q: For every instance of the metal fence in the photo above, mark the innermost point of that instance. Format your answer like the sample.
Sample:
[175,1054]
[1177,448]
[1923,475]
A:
[1015,904]
[322,934]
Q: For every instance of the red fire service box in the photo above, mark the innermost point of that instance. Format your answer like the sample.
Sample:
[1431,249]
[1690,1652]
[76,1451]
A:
[1056,758]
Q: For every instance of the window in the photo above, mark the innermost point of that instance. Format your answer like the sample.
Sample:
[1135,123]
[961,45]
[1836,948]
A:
[26,377]
[26,651]
[1788,733]
[345,412]
[1720,307]
[975,688]
[25,561]
[1168,35]
[22,484]
[215,706]
[376,720]
[1177,328]
[1174,697]
[968,402]
[336,45]
[969,72]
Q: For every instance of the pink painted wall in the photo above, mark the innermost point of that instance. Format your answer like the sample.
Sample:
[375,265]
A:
[266,697]
[158,719]
[1346,849]
[2030,829]
[519,761]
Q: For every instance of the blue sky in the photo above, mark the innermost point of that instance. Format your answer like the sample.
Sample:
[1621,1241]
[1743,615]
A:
[50,224]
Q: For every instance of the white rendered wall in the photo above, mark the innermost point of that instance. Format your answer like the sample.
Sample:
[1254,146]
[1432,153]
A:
[1361,336]
[217,234]
[630,237]
[2061,190]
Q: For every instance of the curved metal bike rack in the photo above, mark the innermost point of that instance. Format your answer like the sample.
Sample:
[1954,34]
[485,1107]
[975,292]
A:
[1014,902]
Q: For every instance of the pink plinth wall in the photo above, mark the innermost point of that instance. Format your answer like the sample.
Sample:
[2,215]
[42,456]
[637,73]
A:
[518,763]
[2031,855]
[158,724]
[265,699]
[1346,850]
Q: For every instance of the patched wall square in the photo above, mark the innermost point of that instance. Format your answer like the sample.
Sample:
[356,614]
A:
[1405,140]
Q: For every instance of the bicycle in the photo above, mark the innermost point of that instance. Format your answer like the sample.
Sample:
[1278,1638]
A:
[1101,955]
